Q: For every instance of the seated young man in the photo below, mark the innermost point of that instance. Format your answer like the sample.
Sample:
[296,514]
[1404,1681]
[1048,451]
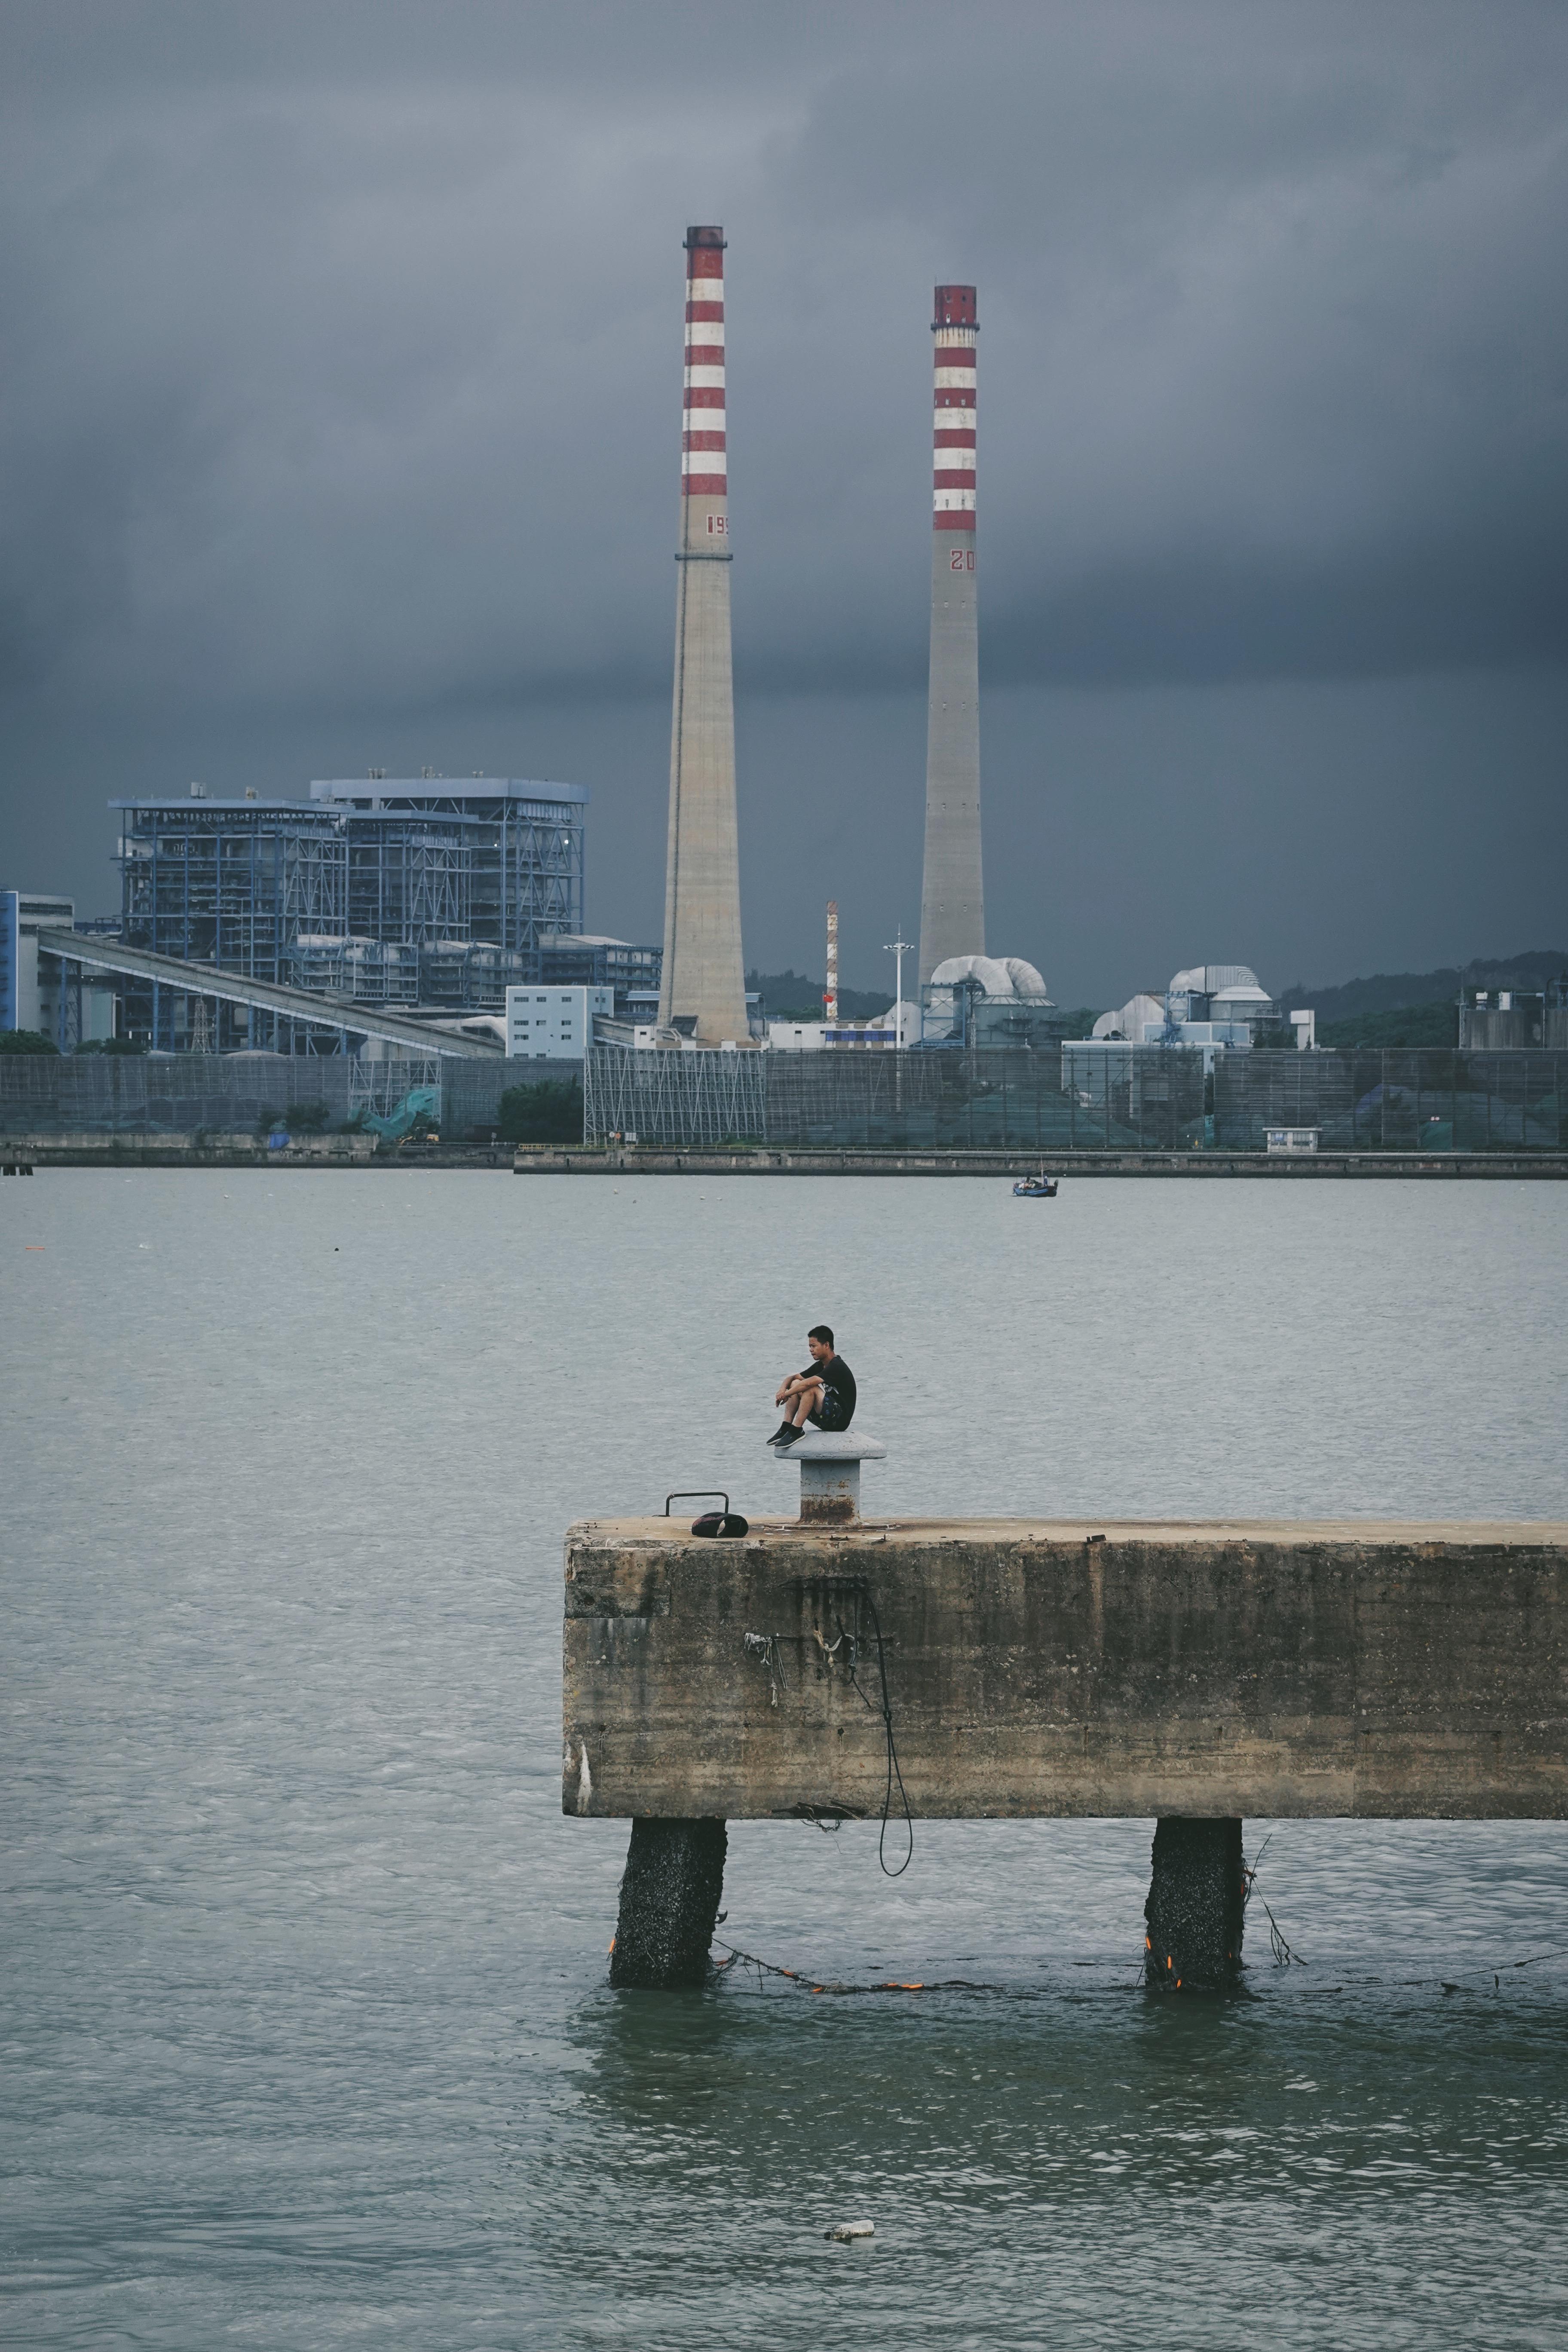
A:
[822,1397]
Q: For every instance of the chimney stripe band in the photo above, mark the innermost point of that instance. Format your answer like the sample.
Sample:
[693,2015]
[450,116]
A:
[953,356]
[703,462]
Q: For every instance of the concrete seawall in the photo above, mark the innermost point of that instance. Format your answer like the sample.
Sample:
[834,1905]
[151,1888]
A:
[1337,1668]
[1421,1167]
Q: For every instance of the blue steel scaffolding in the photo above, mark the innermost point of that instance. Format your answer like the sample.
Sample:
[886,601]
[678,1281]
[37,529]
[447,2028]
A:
[415,892]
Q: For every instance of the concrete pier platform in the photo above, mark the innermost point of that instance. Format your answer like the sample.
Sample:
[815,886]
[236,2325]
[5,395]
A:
[1348,1667]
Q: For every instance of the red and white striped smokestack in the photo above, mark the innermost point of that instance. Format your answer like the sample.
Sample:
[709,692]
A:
[703,462]
[702,993]
[830,994]
[956,329]
[952,902]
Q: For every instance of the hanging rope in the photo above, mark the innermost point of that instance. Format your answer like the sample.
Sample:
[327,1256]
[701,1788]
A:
[863,1590]
[735,1957]
[888,1984]
[1283,1956]
[766,1650]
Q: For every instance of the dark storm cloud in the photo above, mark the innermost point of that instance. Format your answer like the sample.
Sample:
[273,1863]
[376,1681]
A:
[342,363]
[342,340]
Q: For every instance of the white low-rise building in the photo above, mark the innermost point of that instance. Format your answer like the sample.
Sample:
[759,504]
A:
[30,988]
[900,1025]
[554,1025]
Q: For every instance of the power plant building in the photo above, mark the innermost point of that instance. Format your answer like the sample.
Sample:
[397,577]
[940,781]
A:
[1208,1004]
[426,892]
[989,1000]
[30,983]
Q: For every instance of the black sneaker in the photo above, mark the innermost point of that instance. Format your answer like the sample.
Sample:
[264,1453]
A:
[784,1429]
[791,1436]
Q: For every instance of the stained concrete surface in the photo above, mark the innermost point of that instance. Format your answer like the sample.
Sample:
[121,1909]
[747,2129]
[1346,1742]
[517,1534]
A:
[1251,1668]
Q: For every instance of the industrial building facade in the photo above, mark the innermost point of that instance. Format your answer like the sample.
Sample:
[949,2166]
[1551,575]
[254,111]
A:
[29,985]
[432,892]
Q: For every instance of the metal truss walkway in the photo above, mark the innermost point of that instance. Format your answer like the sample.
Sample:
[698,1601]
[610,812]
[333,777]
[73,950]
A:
[320,1011]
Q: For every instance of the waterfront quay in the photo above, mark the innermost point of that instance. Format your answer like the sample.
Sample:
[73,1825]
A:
[622,1159]
[238,1152]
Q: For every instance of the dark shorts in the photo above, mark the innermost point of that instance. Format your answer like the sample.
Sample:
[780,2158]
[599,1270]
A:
[830,1413]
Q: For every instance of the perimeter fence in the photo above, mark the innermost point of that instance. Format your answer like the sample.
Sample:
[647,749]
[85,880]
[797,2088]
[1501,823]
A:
[1138,1099]
[232,1094]
[1131,1098]
[1361,1099]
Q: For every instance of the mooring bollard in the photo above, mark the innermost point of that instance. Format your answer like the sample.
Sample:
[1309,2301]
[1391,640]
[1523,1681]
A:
[830,1473]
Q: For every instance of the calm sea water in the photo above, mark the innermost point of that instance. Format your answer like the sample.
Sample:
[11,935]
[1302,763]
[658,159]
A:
[307,2040]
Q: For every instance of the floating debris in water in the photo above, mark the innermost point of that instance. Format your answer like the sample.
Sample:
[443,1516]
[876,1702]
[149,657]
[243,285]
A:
[844,2231]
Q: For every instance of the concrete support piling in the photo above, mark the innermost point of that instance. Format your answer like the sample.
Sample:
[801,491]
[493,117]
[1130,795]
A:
[1195,1905]
[670,1894]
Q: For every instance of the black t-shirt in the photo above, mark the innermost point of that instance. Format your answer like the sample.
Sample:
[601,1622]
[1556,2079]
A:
[838,1381]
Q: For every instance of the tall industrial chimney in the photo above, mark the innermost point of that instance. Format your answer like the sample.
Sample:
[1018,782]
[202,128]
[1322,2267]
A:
[703,991]
[953,903]
[830,994]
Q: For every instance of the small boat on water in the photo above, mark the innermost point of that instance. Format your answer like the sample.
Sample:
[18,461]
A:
[1036,1188]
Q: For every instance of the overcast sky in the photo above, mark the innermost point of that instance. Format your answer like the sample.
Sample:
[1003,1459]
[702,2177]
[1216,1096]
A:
[339,426]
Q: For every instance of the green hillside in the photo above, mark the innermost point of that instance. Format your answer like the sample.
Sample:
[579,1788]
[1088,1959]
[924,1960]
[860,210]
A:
[791,996]
[1401,1024]
[1397,993]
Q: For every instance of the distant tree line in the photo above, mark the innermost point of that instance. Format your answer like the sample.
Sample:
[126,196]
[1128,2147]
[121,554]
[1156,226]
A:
[1399,993]
[33,1041]
[549,1111]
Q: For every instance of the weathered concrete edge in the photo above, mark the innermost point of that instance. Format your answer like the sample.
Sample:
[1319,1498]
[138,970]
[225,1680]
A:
[668,1536]
[1061,1763]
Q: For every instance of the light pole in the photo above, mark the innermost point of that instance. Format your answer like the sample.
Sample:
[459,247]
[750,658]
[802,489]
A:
[897,949]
